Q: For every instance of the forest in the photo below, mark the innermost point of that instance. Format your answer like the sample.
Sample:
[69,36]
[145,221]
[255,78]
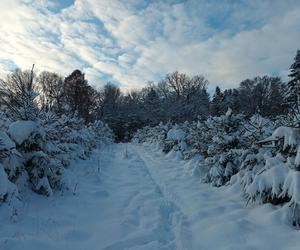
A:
[177,98]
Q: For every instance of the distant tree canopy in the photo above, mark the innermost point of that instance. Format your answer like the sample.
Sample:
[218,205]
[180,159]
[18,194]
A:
[176,98]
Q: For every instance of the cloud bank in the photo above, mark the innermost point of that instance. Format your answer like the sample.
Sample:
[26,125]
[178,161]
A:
[131,42]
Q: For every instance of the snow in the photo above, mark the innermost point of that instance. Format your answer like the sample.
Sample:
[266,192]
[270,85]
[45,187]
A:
[6,142]
[289,135]
[44,183]
[228,112]
[271,179]
[22,130]
[274,161]
[6,187]
[176,134]
[297,159]
[291,186]
[131,197]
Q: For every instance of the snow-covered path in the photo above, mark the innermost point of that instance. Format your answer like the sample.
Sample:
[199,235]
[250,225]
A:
[132,197]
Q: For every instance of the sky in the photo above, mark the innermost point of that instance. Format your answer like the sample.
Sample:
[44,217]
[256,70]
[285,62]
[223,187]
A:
[132,42]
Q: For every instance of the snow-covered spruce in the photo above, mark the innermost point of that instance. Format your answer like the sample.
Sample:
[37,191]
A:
[245,152]
[40,150]
[220,144]
[274,176]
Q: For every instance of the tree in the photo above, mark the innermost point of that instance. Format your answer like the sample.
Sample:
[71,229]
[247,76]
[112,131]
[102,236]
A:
[18,95]
[180,85]
[247,99]
[184,97]
[270,93]
[79,96]
[110,98]
[262,95]
[152,110]
[215,105]
[51,91]
[196,105]
[293,87]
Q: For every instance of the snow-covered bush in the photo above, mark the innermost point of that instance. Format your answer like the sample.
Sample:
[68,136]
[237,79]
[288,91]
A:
[7,188]
[259,155]
[224,144]
[10,162]
[101,133]
[175,140]
[258,128]
[220,144]
[272,175]
[153,135]
[41,150]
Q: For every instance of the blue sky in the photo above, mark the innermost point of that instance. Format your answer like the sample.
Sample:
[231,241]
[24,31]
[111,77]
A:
[131,42]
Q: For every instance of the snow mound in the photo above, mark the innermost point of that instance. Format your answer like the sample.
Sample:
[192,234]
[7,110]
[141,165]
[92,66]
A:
[6,142]
[176,134]
[6,187]
[268,182]
[297,159]
[291,186]
[22,130]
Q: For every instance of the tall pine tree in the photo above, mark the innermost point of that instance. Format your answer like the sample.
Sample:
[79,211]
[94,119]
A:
[293,91]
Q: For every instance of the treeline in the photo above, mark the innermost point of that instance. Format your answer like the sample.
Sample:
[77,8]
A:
[177,98]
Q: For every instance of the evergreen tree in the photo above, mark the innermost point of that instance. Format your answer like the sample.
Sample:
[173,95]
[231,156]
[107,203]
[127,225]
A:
[152,107]
[215,105]
[293,87]
[79,96]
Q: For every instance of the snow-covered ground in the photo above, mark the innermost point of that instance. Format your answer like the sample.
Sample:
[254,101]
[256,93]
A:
[133,197]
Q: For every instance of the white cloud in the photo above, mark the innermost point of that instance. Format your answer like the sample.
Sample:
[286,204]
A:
[132,42]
